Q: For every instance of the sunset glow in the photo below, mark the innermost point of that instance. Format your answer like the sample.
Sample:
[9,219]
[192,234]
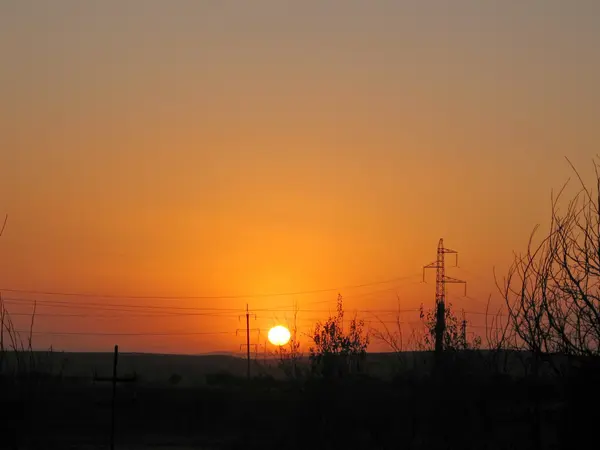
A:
[167,164]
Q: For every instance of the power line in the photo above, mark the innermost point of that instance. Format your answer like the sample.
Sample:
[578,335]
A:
[206,333]
[213,312]
[354,296]
[217,312]
[103,306]
[109,306]
[76,333]
[164,311]
[122,316]
[168,333]
[213,297]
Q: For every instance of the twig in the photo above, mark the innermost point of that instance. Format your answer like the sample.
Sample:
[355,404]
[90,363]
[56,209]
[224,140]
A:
[3,225]
[30,339]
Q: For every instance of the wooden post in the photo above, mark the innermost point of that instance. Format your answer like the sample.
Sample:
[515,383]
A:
[114,397]
[114,380]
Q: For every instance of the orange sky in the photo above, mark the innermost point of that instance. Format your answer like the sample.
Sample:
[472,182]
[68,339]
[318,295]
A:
[230,148]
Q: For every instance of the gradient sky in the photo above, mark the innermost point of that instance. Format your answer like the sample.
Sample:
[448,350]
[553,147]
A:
[210,148]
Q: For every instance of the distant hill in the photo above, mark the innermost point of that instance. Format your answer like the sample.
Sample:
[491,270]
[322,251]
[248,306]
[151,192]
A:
[152,368]
[159,368]
[193,369]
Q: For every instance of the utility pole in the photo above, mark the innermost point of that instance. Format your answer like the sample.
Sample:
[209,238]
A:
[441,280]
[114,379]
[248,345]
[464,329]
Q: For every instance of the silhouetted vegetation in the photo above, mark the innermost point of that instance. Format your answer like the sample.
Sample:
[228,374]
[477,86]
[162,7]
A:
[290,355]
[552,291]
[337,352]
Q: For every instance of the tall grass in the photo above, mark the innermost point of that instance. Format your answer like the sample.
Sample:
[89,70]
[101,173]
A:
[16,351]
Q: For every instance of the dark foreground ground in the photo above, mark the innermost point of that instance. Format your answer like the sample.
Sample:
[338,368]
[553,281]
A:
[459,412]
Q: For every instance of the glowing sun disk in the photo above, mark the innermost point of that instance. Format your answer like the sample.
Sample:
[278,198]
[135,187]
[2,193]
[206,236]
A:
[279,335]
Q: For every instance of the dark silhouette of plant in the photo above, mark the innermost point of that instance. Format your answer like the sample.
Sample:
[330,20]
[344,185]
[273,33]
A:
[337,352]
[552,291]
[290,354]
[392,337]
[4,225]
[398,339]
[455,334]
[175,379]
[15,342]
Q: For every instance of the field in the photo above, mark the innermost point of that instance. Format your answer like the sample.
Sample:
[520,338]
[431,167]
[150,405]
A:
[211,405]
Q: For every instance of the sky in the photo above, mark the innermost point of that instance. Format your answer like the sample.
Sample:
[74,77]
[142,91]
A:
[232,150]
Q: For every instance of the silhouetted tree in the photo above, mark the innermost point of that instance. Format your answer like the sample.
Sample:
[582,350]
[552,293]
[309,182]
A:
[337,352]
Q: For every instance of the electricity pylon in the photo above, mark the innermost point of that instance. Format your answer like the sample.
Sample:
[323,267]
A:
[441,280]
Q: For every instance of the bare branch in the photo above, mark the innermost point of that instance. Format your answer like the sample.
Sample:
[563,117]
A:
[4,225]
[552,291]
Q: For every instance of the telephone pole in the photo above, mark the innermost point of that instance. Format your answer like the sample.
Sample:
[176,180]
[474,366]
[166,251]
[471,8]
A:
[114,380]
[248,345]
[441,280]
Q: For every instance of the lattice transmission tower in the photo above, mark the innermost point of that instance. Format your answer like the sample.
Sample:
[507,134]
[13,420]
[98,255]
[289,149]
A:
[441,280]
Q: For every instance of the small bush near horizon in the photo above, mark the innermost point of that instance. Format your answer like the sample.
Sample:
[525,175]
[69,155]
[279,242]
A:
[175,379]
[337,352]
[455,335]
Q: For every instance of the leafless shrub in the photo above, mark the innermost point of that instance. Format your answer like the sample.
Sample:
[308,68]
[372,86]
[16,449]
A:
[551,291]
[17,347]
[21,350]
[499,337]
[290,354]
[392,337]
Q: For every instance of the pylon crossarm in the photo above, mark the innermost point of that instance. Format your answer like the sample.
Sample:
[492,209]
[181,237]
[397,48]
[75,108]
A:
[433,265]
[448,279]
[454,280]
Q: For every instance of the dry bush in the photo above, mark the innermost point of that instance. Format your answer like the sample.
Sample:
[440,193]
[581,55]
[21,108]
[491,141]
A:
[552,290]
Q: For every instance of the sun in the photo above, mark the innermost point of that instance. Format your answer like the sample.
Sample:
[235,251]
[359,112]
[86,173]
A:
[279,335]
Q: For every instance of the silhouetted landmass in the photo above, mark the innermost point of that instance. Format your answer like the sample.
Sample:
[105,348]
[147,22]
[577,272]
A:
[210,404]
